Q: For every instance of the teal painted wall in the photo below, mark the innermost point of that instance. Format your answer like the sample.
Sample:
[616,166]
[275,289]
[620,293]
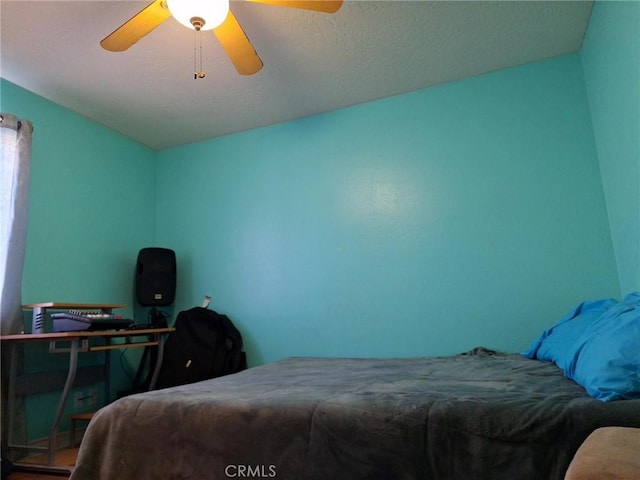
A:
[428,223]
[611,62]
[91,208]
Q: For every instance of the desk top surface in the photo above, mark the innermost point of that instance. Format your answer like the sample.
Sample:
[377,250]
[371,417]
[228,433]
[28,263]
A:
[74,306]
[34,337]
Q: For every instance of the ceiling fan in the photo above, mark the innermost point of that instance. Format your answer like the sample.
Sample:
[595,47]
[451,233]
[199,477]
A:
[206,15]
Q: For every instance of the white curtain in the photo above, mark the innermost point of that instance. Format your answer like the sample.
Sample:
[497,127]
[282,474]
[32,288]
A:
[15,172]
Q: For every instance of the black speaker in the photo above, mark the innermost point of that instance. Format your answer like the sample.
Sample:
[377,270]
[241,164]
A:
[156,277]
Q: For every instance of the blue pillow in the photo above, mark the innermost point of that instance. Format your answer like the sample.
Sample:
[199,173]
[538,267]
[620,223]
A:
[554,344]
[606,357]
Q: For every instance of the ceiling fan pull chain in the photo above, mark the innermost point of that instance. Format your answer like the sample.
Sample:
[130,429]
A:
[201,73]
[197,73]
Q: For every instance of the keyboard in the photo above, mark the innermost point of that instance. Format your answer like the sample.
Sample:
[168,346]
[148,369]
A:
[74,322]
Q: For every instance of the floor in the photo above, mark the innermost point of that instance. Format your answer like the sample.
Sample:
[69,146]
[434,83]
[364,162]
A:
[63,457]
[34,476]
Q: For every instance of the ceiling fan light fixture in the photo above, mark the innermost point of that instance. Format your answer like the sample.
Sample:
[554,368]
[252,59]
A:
[208,14]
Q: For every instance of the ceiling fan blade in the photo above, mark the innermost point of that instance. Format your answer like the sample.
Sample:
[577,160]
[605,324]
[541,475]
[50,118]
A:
[238,47]
[327,6]
[136,27]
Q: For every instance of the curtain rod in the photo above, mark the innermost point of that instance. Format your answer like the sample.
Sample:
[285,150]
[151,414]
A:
[18,123]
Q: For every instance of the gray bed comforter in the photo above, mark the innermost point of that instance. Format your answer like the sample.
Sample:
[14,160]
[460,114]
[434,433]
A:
[479,415]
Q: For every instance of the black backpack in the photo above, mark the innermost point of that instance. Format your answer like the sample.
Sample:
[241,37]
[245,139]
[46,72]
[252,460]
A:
[205,345]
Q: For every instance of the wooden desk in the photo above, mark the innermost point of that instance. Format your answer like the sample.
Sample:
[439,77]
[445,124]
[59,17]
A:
[75,343]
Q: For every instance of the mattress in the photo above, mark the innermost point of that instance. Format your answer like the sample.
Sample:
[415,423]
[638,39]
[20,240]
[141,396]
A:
[478,415]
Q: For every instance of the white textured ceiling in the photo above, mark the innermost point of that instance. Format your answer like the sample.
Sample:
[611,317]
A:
[313,62]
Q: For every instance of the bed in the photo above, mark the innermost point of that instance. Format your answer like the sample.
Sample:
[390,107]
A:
[477,415]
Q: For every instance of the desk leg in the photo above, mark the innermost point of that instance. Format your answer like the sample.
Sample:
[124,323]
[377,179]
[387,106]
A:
[156,370]
[107,374]
[11,393]
[73,365]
